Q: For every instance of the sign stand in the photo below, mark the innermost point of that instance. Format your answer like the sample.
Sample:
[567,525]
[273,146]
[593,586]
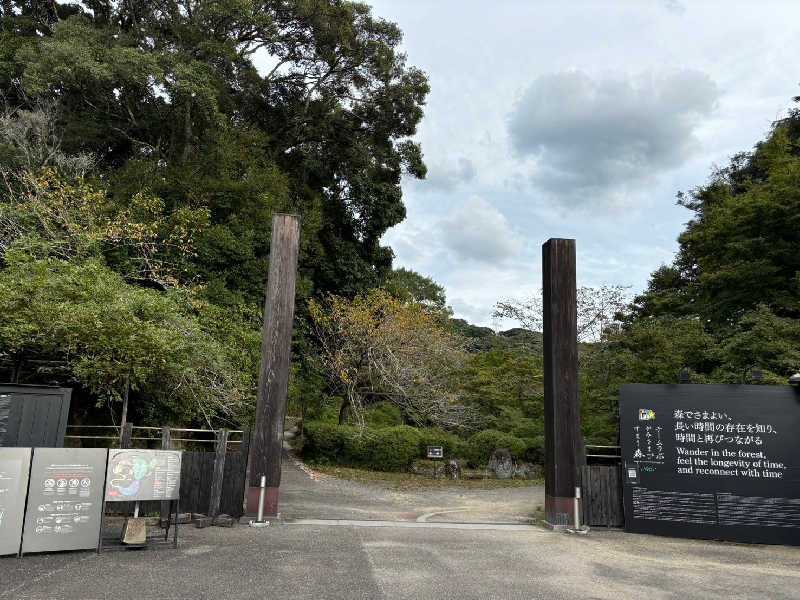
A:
[114,544]
[436,453]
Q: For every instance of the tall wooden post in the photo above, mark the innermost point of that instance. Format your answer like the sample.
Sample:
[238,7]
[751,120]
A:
[564,451]
[273,378]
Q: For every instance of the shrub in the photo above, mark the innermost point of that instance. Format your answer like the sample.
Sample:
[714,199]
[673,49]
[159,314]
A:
[482,444]
[534,449]
[393,448]
[324,442]
[383,414]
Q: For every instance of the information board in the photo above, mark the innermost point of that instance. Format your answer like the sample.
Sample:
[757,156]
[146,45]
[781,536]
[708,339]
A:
[14,466]
[435,452]
[143,475]
[65,499]
[710,461]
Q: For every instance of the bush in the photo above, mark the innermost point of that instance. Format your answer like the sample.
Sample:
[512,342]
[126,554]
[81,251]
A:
[324,442]
[534,449]
[394,448]
[381,449]
[482,444]
[383,414]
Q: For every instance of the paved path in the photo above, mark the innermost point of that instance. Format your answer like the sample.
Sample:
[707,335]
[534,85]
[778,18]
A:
[308,495]
[323,562]
[427,556]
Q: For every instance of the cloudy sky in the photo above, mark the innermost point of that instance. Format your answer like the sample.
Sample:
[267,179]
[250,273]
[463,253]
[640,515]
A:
[577,119]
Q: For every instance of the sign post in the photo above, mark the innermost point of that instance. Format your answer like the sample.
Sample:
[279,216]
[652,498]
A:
[436,453]
[712,461]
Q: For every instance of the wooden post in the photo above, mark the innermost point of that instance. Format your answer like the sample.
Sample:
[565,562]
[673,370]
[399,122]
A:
[219,472]
[166,441]
[564,452]
[273,379]
[126,433]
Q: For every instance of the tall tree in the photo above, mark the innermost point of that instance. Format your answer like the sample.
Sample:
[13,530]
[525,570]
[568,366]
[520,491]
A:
[241,106]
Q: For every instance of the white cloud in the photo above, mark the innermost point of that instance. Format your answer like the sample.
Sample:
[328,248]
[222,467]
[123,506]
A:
[480,232]
[593,138]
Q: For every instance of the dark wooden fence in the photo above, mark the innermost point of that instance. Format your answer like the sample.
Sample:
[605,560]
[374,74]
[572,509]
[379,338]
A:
[212,482]
[601,494]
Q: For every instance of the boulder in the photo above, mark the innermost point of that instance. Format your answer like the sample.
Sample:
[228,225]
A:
[288,435]
[502,463]
[223,520]
[523,470]
[452,470]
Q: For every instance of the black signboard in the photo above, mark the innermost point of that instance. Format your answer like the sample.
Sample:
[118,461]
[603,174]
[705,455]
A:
[435,452]
[14,466]
[712,461]
[65,499]
[143,475]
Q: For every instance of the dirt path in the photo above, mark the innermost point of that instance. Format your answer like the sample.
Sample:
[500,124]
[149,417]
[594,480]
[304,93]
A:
[306,494]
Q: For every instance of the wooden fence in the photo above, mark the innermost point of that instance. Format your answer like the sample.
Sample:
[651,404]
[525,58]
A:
[212,482]
[601,494]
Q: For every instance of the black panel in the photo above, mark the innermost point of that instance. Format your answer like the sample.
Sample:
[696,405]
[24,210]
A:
[33,416]
[708,461]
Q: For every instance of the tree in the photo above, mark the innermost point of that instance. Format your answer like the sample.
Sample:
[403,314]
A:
[739,249]
[169,99]
[377,348]
[598,309]
[408,285]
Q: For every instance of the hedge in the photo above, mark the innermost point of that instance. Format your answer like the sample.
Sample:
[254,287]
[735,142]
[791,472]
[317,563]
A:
[482,444]
[395,448]
[380,449]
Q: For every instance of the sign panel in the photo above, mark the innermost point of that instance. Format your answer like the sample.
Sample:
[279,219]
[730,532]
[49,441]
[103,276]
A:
[435,452]
[143,475]
[65,499]
[14,466]
[712,461]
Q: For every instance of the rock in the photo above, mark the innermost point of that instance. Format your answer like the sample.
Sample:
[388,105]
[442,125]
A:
[184,518]
[502,463]
[452,470]
[288,435]
[523,470]
[294,429]
[202,522]
[223,520]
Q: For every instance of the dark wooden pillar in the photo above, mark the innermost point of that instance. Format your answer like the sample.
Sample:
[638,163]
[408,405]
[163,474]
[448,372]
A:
[273,378]
[564,452]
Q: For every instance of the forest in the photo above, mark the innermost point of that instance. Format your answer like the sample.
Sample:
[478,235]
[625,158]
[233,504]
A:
[143,150]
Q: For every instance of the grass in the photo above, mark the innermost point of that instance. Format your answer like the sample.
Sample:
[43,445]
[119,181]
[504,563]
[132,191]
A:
[410,481]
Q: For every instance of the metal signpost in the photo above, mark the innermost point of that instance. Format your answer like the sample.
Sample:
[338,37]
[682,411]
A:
[15,465]
[712,461]
[436,453]
[65,499]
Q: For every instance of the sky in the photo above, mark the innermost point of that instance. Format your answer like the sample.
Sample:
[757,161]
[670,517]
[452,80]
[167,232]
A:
[579,120]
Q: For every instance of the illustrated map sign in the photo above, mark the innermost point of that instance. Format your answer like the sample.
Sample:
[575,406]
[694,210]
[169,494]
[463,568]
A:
[435,452]
[143,475]
[65,499]
[710,461]
[14,466]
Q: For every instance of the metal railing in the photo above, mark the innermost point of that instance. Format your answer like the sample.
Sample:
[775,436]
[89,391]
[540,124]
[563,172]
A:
[612,453]
[145,434]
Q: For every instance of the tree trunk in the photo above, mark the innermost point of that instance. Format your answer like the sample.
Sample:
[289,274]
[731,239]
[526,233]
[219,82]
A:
[343,411]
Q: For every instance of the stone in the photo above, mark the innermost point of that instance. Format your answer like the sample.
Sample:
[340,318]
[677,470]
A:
[452,470]
[293,430]
[223,520]
[203,522]
[523,470]
[184,518]
[502,463]
[288,435]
